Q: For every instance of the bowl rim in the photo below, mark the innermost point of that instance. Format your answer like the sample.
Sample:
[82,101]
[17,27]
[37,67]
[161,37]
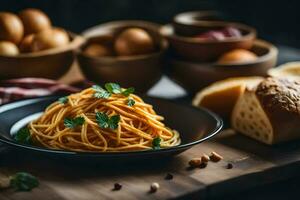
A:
[102,32]
[272,52]
[217,129]
[103,28]
[168,31]
[188,18]
[76,41]
[164,46]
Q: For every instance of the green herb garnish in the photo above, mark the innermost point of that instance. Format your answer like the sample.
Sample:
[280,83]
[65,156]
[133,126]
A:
[113,88]
[130,102]
[100,93]
[128,91]
[104,121]
[23,136]
[63,100]
[114,121]
[73,123]
[156,143]
[23,181]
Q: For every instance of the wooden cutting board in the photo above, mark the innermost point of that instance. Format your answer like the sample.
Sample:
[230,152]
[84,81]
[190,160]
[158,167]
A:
[254,164]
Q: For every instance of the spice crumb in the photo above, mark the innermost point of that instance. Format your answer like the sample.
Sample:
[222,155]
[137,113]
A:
[117,186]
[215,157]
[203,164]
[154,187]
[205,158]
[229,166]
[195,162]
[169,176]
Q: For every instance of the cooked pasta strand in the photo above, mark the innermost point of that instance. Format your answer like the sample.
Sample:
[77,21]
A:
[138,126]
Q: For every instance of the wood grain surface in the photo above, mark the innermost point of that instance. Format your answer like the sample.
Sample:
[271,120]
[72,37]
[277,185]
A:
[253,164]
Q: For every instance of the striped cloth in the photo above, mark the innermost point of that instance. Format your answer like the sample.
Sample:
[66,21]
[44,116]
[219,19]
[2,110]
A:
[14,89]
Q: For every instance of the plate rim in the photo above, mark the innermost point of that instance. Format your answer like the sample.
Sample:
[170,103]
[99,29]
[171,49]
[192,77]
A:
[217,129]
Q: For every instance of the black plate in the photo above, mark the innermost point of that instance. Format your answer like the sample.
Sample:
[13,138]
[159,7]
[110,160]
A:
[194,125]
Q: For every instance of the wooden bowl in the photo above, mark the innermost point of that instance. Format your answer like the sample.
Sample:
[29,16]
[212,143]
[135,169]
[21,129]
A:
[194,76]
[199,49]
[52,63]
[183,21]
[139,71]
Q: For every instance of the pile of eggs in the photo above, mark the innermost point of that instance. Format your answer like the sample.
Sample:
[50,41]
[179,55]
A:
[129,42]
[29,31]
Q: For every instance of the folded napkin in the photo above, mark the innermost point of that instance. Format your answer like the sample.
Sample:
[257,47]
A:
[14,89]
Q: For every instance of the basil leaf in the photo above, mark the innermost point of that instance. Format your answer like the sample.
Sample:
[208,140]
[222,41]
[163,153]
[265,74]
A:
[23,181]
[97,87]
[73,123]
[113,88]
[128,91]
[102,119]
[100,93]
[63,100]
[156,143]
[23,136]
[130,102]
[113,122]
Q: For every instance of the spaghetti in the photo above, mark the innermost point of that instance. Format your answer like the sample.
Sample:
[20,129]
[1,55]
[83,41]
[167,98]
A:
[110,123]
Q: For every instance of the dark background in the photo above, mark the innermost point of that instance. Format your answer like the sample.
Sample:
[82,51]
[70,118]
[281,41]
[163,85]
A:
[276,21]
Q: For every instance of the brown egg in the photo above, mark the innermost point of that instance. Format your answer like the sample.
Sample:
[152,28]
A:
[237,55]
[34,20]
[133,41]
[26,44]
[50,38]
[8,48]
[97,50]
[11,27]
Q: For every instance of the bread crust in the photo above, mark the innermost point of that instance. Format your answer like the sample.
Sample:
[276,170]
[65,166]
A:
[280,99]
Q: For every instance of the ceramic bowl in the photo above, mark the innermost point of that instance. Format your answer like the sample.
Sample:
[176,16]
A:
[52,63]
[194,76]
[191,48]
[139,71]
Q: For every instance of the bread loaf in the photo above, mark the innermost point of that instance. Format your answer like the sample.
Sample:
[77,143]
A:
[221,96]
[270,112]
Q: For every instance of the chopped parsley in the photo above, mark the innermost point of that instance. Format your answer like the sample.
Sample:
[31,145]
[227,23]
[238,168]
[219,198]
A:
[113,88]
[128,91]
[156,143]
[73,123]
[63,100]
[104,121]
[23,136]
[23,181]
[100,93]
[130,102]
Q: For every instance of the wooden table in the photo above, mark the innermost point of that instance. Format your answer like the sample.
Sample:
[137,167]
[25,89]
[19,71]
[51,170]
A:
[254,164]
